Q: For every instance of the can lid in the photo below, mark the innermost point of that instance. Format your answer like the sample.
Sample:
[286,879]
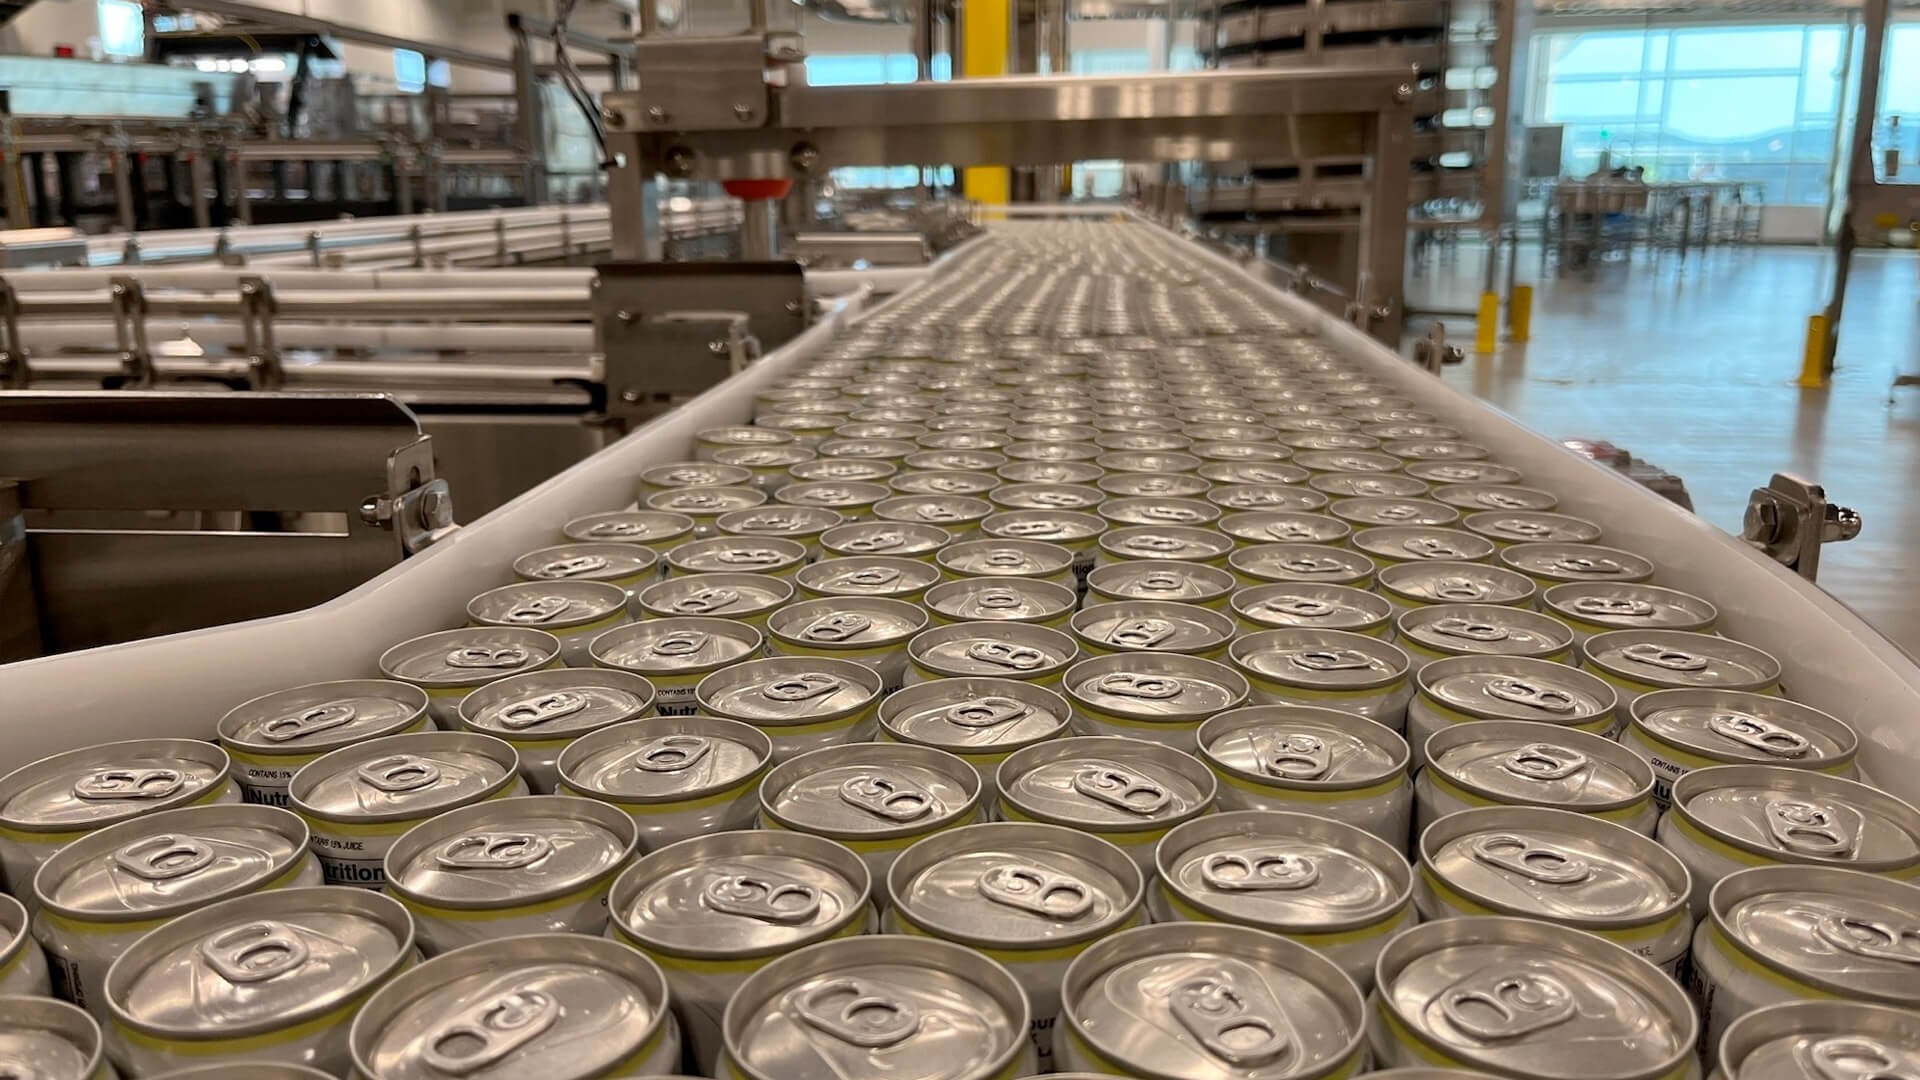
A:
[839,471]
[763,457]
[740,894]
[1106,783]
[949,482]
[1386,510]
[109,782]
[471,656]
[1165,542]
[833,494]
[1456,583]
[1347,461]
[1057,526]
[50,1039]
[403,776]
[1548,863]
[510,852]
[664,758]
[789,690]
[1002,557]
[965,459]
[1625,605]
[705,501]
[1399,429]
[1793,815]
[1347,485]
[675,645]
[1517,761]
[994,648]
[1516,688]
[1495,497]
[1270,497]
[868,575]
[1170,580]
[1045,472]
[1000,599]
[789,521]
[1532,527]
[846,622]
[1155,485]
[876,449]
[1817,1040]
[1309,604]
[1285,527]
[1464,472]
[1154,510]
[870,790]
[321,716]
[1154,687]
[884,538]
[555,704]
[1739,726]
[628,527]
[1320,659]
[1840,931]
[1284,872]
[585,561]
[969,715]
[547,605]
[1302,562]
[717,594]
[1401,543]
[1151,626]
[1302,746]
[174,861]
[1483,630]
[1677,658]
[681,474]
[1431,449]
[1324,441]
[1015,885]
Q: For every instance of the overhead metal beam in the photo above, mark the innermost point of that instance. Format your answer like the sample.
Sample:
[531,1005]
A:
[360,35]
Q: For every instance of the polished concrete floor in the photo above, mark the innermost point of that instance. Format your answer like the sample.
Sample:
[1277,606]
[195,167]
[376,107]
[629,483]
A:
[1692,366]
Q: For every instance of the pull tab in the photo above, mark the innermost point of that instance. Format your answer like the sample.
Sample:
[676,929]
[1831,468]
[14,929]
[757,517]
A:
[1659,656]
[837,627]
[702,601]
[1007,655]
[164,857]
[748,557]
[1500,500]
[949,485]
[695,500]
[985,712]
[1292,532]
[1311,564]
[811,684]
[1469,630]
[1026,529]
[1005,559]
[1259,871]
[398,773]
[1428,547]
[1137,685]
[1398,512]
[872,577]
[774,523]
[1302,606]
[302,724]
[1531,530]
[690,477]
[1297,755]
[1144,633]
[1521,692]
[1059,500]
[1506,1006]
[671,753]
[1163,581]
[491,657]
[879,541]
[493,851]
[1159,544]
[763,896]
[1173,515]
[680,643]
[539,609]
[1613,607]
[1329,659]
[1871,938]
[1247,500]
[255,952]
[1459,588]
[1819,829]
[1121,789]
[858,1012]
[482,1035]
[890,797]
[540,708]
[998,599]
[1043,892]
[1854,1057]
[1230,1018]
[572,566]
[617,528]
[129,784]
[1760,734]
[1583,564]
[1531,859]
[937,513]
[1544,761]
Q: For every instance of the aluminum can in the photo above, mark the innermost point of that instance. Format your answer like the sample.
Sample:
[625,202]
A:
[1391,431]
[52,1040]
[978,720]
[655,529]
[1776,934]
[1021,600]
[99,894]
[50,803]
[772,556]
[1416,584]
[801,703]
[1263,564]
[541,864]
[1209,1001]
[1285,527]
[768,464]
[1159,697]
[451,664]
[928,1008]
[971,461]
[1311,760]
[825,470]
[676,776]
[1559,867]
[1373,485]
[1550,564]
[747,598]
[868,576]
[1168,543]
[1480,498]
[960,515]
[1074,530]
[871,631]
[1509,527]
[1239,450]
[674,654]
[889,538]
[1184,486]
[1265,498]
[1128,792]
[1031,897]
[1729,817]
[1009,497]
[704,504]
[801,523]
[878,798]
[1365,511]
[23,967]
[575,612]
[1808,1040]
[1346,461]
[1590,608]
[1430,449]
[539,713]
[1047,472]
[1147,461]
[1055,451]
[1556,989]
[630,566]
[853,499]
[1120,513]
[891,451]
[1327,441]
[254,1070]
[359,799]
[1253,472]
[686,474]
[1391,544]
[944,482]
[1678,731]
[990,648]
[1337,669]
[1638,662]
[712,910]
[1140,440]
[1522,763]
[271,736]
[1335,888]
[1311,606]
[1438,631]
[1464,472]
[558,1005]
[708,442]
[1153,580]
[1463,689]
[999,557]
[273,976]
[1158,626]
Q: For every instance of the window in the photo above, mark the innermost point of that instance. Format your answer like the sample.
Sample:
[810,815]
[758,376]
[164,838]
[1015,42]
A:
[409,71]
[123,30]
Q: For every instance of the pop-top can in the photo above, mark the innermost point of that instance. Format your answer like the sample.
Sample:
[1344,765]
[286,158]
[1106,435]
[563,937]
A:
[978,461]
[891,451]
[1395,430]
[1237,450]
[990,648]
[1056,451]
[1312,760]
[1808,1040]
[1285,527]
[1029,896]
[854,499]
[1121,513]
[99,894]
[1415,584]
[944,482]
[1572,869]
[1337,669]
[924,1008]
[1182,486]
[1311,606]
[1678,731]
[1157,626]
[541,864]
[52,1040]
[877,798]
[558,1005]
[1153,580]
[676,776]
[1007,497]
[1389,544]
[271,977]
[1639,662]
[807,427]
[1046,472]
[1432,449]
[1332,887]
[629,566]
[1509,527]
[575,612]
[802,703]
[1126,791]
[1346,461]
[1369,510]
[1442,630]
[1077,531]
[451,664]
[1522,998]
[1777,934]
[1590,608]
[1464,472]
[1140,440]
[1522,763]
[654,529]
[1000,557]
[1550,564]
[686,474]
[1376,485]
[271,736]
[802,523]
[1262,564]
[1253,472]
[1021,600]
[704,504]
[1156,696]
[1265,498]
[23,967]
[1729,817]
[890,538]
[1167,543]
[872,631]
[359,799]
[960,515]
[840,471]
[712,910]
[1209,1001]
[708,442]
[540,712]
[769,555]
[50,803]
[868,576]
[768,464]
[1324,440]
[675,653]
[1479,498]
[747,598]
[978,720]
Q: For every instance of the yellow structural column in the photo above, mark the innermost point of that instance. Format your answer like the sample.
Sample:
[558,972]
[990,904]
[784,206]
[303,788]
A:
[1486,331]
[1520,314]
[985,34]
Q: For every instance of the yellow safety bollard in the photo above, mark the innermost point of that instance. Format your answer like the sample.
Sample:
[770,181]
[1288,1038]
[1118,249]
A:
[1520,313]
[1487,332]
[1813,358]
